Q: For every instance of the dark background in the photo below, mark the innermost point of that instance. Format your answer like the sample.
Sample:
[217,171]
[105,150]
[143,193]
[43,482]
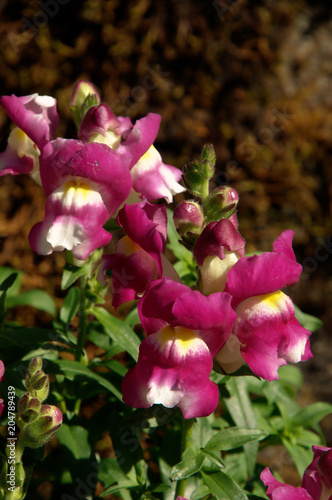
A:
[253,78]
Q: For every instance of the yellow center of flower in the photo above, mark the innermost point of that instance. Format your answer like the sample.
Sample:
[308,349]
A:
[184,338]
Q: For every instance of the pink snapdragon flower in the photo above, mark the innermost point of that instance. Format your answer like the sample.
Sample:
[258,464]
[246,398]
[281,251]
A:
[36,119]
[85,185]
[266,334]
[184,331]
[138,256]
[151,177]
[316,481]
[36,115]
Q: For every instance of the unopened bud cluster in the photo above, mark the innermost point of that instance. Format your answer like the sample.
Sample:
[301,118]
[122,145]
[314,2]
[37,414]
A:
[190,217]
[38,422]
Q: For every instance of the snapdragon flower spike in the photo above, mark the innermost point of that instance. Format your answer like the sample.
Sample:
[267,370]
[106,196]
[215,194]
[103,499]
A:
[21,156]
[185,330]
[137,258]
[216,250]
[317,478]
[85,185]
[267,332]
[36,115]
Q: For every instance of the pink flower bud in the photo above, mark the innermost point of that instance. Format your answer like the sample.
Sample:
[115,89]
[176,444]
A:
[188,216]
[81,91]
[38,432]
[221,203]
[100,125]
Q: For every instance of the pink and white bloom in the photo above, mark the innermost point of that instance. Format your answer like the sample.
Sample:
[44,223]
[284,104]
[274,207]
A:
[138,256]
[151,177]
[184,330]
[36,115]
[316,481]
[266,334]
[85,185]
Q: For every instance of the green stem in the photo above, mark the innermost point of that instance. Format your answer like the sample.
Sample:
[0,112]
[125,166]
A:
[81,321]
[187,428]
[19,448]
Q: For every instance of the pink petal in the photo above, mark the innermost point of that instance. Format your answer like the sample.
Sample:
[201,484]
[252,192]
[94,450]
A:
[281,491]
[146,225]
[36,115]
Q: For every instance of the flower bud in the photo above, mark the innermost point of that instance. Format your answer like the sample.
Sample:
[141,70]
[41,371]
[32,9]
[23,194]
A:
[38,432]
[83,98]
[81,91]
[198,173]
[221,203]
[38,384]
[28,409]
[188,219]
[35,365]
[100,125]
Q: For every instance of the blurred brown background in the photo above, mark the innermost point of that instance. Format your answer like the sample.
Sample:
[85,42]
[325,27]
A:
[253,78]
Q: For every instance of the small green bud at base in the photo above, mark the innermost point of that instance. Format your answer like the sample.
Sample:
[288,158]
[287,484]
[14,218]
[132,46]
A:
[35,365]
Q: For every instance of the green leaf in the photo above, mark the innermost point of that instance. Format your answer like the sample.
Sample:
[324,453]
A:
[74,368]
[38,299]
[200,492]
[240,407]
[76,439]
[229,439]
[311,415]
[71,273]
[10,280]
[70,305]
[124,485]
[132,318]
[214,456]
[191,463]
[223,486]
[309,322]
[119,331]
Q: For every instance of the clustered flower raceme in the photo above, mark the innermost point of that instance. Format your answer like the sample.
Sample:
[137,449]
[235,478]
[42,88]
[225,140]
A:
[316,481]
[239,314]
[88,179]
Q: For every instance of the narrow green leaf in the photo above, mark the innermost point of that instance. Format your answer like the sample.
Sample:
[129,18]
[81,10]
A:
[38,299]
[70,305]
[240,407]
[311,414]
[223,486]
[21,337]
[124,485]
[229,439]
[191,463]
[214,456]
[10,280]
[74,368]
[119,331]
